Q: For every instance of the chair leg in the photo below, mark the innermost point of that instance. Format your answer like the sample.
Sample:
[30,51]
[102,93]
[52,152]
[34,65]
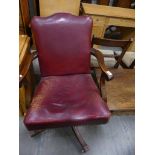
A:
[36,132]
[85,147]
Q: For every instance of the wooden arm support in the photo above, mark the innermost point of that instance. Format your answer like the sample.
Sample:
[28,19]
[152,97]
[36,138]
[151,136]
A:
[100,58]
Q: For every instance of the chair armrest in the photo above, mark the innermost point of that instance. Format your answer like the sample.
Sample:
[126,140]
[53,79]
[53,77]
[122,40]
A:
[100,58]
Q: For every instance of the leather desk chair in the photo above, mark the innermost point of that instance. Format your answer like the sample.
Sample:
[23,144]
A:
[66,94]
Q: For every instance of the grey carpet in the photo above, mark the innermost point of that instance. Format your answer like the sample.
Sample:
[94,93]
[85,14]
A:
[114,138]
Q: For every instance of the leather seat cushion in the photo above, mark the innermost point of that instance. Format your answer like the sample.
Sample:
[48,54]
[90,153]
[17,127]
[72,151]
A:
[66,101]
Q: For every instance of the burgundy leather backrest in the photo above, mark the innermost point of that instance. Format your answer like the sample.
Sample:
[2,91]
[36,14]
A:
[63,43]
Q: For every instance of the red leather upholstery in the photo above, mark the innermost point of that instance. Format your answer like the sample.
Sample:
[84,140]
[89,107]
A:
[66,101]
[63,43]
[66,94]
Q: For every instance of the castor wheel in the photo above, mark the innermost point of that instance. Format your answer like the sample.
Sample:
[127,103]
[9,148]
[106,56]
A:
[85,149]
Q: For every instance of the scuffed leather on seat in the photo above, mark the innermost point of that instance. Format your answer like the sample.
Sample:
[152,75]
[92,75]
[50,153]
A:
[66,101]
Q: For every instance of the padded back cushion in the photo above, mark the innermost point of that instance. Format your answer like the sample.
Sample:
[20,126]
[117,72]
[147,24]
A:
[63,43]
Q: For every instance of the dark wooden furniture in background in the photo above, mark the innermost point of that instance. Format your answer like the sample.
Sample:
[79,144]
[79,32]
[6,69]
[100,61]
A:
[122,3]
[117,3]
[103,2]
[33,8]
[124,44]
[100,2]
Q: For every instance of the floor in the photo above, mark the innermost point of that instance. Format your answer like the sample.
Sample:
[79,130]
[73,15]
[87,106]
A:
[114,138]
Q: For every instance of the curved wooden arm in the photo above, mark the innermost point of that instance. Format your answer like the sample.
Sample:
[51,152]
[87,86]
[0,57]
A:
[100,58]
